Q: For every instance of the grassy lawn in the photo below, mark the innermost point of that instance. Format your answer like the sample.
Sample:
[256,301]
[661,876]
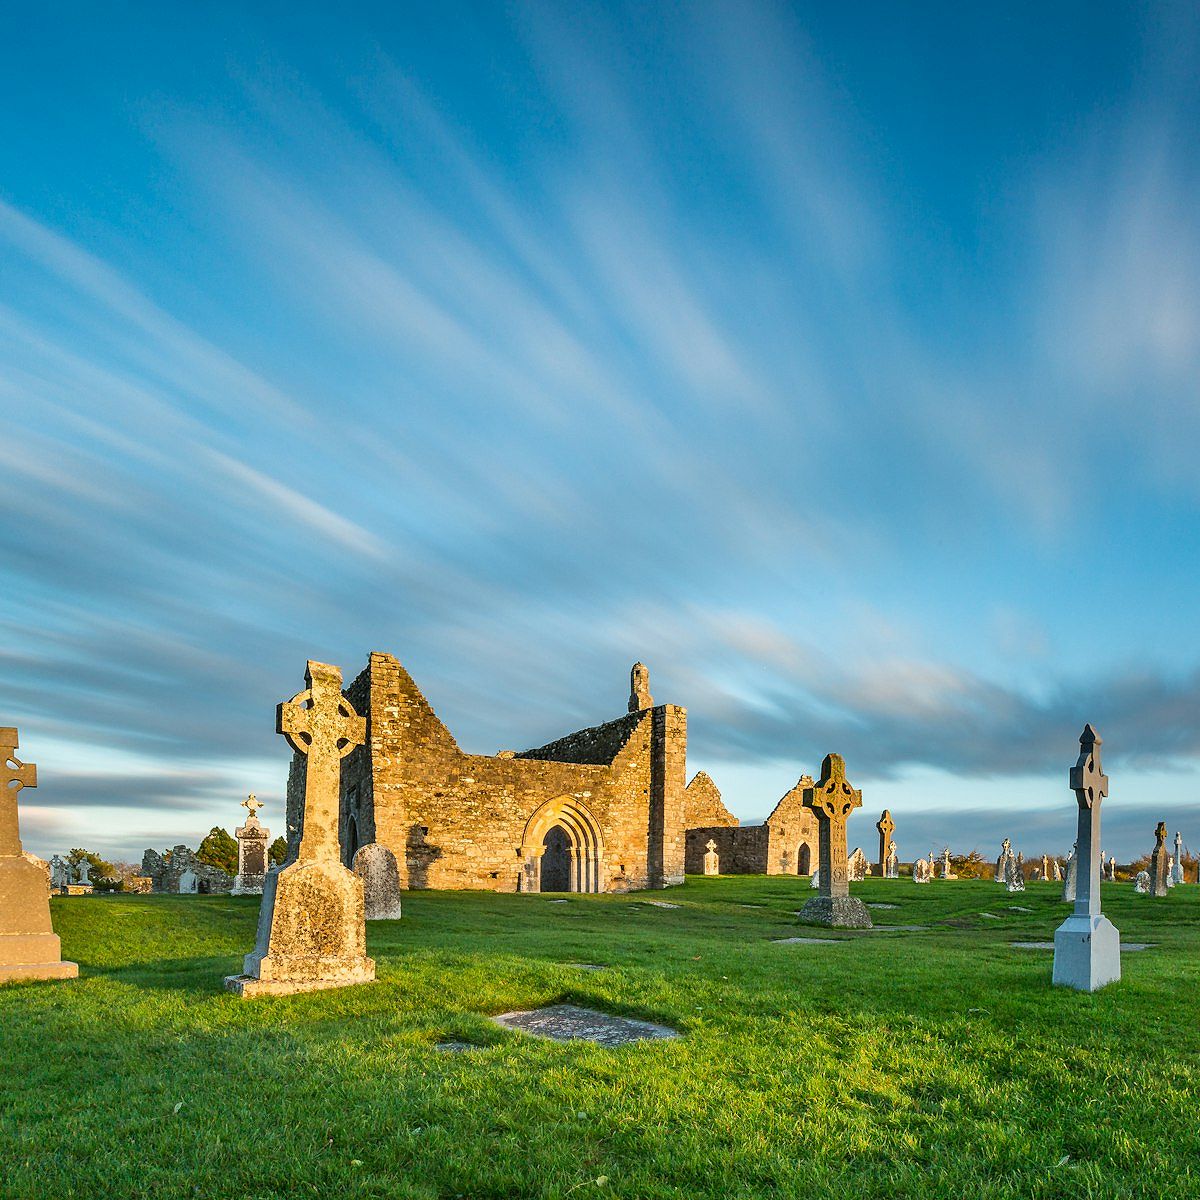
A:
[936,1064]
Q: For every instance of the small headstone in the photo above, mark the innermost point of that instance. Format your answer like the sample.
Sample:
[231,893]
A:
[1170,871]
[1141,883]
[893,863]
[815,881]
[857,866]
[1112,868]
[921,871]
[29,947]
[832,799]
[376,866]
[1087,947]
[712,860]
[252,840]
[1159,868]
[947,866]
[1015,882]
[1056,868]
[569,1023]
[1002,862]
[312,930]
[1177,868]
[1068,892]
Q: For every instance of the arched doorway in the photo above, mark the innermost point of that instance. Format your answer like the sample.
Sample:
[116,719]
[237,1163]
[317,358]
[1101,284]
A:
[562,849]
[804,860]
[556,861]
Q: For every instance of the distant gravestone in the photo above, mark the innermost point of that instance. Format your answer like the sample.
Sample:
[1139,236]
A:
[1003,861]
[815,881]
[857,866]
[832,800]
[1112,868]
[252,839]
[376,866]
[1159,866]
[1087,946]
[947,866]
[1044,876]
[1068,892]
[712,860]
[893,863]
[189,885]
[1177,867]
[312,930]
[1056,868]
[29,947]
[1015,882]
[1141,883]
[921,871]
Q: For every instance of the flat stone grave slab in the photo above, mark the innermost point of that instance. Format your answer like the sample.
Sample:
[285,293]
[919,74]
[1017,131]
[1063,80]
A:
[878,905]
[991,917]
[1019,908]
[1131,946]
[556,902]
[569,1023]
[456,1047]
[897,928]
[803,941]
[658,903]
[587,966]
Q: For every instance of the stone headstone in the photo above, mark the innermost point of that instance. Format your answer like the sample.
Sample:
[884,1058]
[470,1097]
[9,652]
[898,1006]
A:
[712,860]
[1044,873]
[921,871]
[376,866]
[60,872]
[1177,865]
[947,866]
[1002,862]
[29,947]
[1112,868]
[1015,882]
[857,866]
[1159,866]
[832,799]
[1068,892]
[1141,883]
[886,827]
[252,840]
[1087,946]
[189,882]
[312,930]
[815,881]
[893,863]
[639,688]
[1057,871]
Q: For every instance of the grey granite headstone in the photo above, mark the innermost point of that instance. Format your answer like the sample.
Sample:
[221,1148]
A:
[1087,946]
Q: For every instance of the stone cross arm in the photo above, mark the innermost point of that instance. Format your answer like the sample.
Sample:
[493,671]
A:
[17,774]
[1088,780]
[321,717]
[832,795]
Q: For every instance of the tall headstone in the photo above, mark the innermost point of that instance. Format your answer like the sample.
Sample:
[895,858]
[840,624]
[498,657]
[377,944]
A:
[312,930]
[1056,870]
[1159,867]
[1072,874]
[1044,876]
[252,840]
[886,827]
[639,688]
[376,866]
[832,800]
[1002,862]
[893,863]
[947,865]
[712,860]
[1015,873]
[1177,868]
[29,947]
[1087,946]
[1112,868]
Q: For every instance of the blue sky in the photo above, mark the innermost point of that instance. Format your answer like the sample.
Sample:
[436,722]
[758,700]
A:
[841,362]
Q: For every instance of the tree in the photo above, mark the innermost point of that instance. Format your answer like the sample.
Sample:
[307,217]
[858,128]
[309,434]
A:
[219,850]
[277,851]
[98,868]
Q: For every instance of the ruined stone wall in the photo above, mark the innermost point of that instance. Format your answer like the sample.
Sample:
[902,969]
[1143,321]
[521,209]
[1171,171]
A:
[164,871]
[703,805]
[792,833]
[742,849]
[458,820]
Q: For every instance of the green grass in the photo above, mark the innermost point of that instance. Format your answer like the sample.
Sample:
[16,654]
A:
[931,1064]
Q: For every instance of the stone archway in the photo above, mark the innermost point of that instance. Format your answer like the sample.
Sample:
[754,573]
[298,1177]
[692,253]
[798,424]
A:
[804,860]
[563,840]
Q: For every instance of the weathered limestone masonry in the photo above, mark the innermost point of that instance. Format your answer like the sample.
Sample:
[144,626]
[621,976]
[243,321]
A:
[312,930]
[179,872]
[785,844]
[601,810]
[29,947]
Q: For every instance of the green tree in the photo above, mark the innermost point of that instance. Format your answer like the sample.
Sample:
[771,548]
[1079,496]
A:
[277,851]
[219,850]
[98,868]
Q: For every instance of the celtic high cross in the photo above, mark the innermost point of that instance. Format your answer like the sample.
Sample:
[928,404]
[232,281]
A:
[1090,786]
[17,775]
[832,800]
[321,724]
[886,826]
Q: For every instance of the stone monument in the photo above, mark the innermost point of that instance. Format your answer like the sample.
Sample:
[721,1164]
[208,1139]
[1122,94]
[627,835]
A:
[1002,862]
[1141,883]
[947,866]
[1015,873]
[312,925]
[1087,946]
[1177,869]
[252,840]
[29,947]
[1068,892]
[886,827]
[832,800]
[1112,868]
[376,866]
[712,860]
[1159,867]
[893,863]
[920,871]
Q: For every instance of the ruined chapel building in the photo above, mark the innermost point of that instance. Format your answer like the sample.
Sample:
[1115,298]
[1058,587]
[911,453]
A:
[784,844]
[600,810]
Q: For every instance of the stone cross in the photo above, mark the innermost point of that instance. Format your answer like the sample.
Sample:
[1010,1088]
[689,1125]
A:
[886,827]
[712,862]
[252,803]
[832,799]
[639,688]
[16,775]
[29,947]
[893,870]
[1177,876]
[320,724]
[1159,867]
[312,923]
[1087,947]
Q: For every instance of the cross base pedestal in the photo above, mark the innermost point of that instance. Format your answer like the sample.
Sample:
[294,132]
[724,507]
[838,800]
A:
[16,972]
[1087,953]
[247,986]
[845,912]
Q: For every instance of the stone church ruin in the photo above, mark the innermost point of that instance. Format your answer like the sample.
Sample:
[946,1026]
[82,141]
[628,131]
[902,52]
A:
[599,810]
